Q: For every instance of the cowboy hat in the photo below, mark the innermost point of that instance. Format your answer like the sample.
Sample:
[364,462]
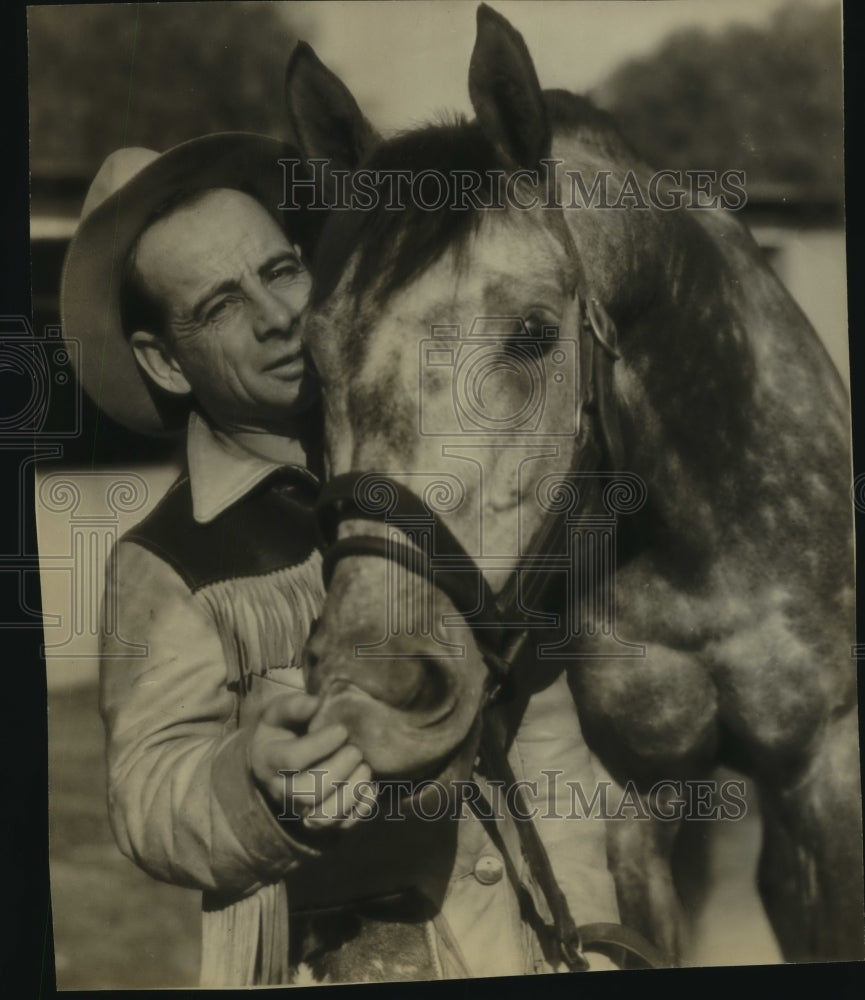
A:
[129,188]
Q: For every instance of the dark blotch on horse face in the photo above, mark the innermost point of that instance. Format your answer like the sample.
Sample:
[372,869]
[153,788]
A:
[384,419]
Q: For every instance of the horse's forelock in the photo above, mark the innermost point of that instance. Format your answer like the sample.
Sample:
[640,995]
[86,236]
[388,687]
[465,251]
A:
[391,246]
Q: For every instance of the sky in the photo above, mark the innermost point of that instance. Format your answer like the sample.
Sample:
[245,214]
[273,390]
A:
[405,61]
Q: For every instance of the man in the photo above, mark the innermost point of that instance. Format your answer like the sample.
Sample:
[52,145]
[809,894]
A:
[184,288]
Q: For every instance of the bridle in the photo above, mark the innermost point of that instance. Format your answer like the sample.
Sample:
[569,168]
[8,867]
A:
[499,622]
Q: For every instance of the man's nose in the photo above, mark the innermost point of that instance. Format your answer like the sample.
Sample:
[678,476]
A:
[272,315]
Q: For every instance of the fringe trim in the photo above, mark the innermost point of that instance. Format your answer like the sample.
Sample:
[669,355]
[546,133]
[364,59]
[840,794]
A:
[264,621]
[246,943]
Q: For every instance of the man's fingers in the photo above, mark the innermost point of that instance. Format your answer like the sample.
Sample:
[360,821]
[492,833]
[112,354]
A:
[362,792]
[348,801]
[302,753]
[290,710]
[275,758]
[313,786]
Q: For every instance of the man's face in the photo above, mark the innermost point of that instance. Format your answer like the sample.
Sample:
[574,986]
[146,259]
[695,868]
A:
[233,288]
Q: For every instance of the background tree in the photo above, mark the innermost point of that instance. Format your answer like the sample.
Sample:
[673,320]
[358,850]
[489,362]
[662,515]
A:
[153,75]
[768,101]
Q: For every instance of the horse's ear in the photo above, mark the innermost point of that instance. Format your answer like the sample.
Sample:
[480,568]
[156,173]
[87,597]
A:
[323,118]
[505,92]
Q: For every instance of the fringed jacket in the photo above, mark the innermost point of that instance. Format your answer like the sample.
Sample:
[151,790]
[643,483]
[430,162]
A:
[219,586]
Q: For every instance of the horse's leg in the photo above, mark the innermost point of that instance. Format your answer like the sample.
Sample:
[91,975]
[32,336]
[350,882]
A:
[691,860]
[810,873]
[650,721]
[789,716]
[639,854]
[661,871]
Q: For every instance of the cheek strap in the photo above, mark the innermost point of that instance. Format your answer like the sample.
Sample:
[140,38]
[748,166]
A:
[605,353]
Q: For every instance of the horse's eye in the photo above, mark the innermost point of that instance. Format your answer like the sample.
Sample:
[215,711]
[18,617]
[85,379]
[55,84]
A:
[542,327]
[535,325]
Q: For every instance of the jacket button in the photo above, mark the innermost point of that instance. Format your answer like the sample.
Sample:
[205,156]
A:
[489,869]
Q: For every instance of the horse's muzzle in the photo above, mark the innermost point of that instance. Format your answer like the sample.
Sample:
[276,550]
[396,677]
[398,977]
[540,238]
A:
[419,685]
[406,712]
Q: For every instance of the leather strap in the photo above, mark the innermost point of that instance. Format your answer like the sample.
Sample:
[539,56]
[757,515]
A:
[605,336]
[623,945]
[567,936]
[620,944]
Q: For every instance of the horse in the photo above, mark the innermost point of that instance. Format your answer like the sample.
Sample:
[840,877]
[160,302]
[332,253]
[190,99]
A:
[641,340]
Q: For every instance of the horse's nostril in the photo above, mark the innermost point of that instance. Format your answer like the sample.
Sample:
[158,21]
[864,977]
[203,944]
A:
[311,656]
[432,690]
[309,661]
[414,684]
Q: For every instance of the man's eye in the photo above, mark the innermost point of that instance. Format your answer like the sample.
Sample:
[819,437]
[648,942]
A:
[216,310]
[286,269]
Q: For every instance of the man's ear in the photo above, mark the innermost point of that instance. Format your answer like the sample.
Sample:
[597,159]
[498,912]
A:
[152,353]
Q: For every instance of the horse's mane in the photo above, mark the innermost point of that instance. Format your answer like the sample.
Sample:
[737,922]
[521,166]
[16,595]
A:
[396,245]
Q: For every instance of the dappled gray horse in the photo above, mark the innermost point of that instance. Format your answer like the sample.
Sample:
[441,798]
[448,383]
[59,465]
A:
[734,570]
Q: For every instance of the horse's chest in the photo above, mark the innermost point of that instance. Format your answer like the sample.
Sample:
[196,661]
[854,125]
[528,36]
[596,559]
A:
[721,663]
[648,713]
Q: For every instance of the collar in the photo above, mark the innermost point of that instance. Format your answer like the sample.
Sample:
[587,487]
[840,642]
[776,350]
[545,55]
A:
[224,468]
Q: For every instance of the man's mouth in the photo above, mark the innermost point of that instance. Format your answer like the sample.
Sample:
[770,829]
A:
[290,365]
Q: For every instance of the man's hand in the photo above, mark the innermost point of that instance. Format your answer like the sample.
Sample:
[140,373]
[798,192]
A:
[276,747]
[600,963]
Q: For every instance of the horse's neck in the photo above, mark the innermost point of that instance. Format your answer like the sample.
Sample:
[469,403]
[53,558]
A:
[718,363]
[758,294]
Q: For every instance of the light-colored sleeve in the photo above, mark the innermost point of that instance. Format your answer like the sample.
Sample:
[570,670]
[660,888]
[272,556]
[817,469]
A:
[181,797]
[550,740]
